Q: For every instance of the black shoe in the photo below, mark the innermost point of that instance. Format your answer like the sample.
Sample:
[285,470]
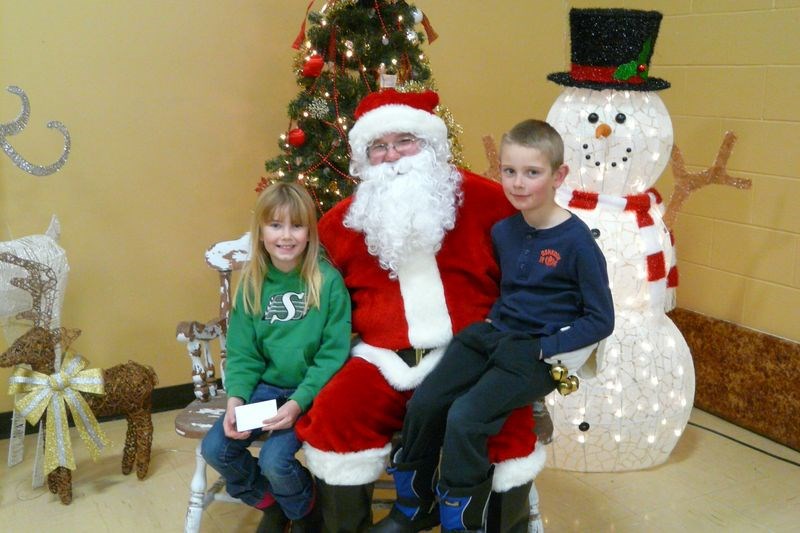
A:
[397,522]
[415,506]
[273,520]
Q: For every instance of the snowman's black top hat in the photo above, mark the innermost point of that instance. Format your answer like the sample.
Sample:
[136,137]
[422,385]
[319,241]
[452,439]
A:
[611,49]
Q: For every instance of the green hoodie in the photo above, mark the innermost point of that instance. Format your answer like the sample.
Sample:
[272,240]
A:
[287,345]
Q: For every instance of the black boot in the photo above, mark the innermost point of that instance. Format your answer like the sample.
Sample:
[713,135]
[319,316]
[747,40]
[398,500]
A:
[509,511]
[345,508]
[273,520]
[415,507]
[464,509]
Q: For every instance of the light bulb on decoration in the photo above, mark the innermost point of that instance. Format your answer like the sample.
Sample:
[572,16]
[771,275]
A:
[348,54]
[281,173]
[323,22]
[399,18]
[385,40]
[394,61]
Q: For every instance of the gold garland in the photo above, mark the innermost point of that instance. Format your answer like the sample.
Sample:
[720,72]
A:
[51,393]
[454,129]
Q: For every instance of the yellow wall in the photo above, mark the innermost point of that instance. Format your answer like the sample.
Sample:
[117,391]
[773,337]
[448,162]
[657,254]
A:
[174,105]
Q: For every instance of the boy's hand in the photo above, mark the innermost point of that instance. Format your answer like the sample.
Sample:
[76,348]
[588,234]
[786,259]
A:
[229,422]
[284,418]
[573,360]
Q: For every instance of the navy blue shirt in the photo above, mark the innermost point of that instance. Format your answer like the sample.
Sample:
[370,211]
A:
[554,284]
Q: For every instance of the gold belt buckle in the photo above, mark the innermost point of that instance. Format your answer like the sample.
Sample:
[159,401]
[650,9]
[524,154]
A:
[420,353]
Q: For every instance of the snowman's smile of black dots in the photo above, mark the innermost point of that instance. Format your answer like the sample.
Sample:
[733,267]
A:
[604,148]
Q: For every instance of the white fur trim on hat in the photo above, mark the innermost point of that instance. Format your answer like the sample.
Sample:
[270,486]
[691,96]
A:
[350,468]
[395,118]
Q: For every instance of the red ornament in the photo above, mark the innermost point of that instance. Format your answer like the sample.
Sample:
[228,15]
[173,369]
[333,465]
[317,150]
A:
[641,68]
[313,67]
[296,137]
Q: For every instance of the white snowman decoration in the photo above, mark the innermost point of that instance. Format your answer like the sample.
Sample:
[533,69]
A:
[636,395]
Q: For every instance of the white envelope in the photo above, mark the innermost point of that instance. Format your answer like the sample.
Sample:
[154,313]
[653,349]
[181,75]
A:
[252,415]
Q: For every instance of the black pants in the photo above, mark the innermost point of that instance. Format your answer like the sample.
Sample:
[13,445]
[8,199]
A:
[483,375]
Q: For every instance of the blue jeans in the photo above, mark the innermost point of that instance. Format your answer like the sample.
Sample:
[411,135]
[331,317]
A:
[276,471]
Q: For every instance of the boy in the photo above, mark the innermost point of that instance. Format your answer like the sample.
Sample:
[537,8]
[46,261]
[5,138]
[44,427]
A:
[554,301]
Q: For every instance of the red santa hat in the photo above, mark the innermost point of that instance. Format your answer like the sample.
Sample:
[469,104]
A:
[390,111]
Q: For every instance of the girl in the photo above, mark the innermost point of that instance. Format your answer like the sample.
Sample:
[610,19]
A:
[289,332]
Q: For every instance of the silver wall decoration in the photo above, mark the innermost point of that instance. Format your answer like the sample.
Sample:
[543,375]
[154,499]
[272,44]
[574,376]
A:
[17,125]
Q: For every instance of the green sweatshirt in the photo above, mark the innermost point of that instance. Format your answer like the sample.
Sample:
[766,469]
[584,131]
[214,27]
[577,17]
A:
[287,345]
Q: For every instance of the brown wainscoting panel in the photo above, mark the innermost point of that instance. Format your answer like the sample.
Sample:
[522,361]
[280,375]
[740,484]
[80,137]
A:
[749,378]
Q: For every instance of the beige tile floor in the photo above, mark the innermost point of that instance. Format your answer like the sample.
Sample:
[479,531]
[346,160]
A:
[710,483]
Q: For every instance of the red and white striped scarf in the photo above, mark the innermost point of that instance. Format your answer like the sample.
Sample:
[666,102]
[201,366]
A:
[639,205]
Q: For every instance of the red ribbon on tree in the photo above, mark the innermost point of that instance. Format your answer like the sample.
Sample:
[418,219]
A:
[429,31]
[298,41]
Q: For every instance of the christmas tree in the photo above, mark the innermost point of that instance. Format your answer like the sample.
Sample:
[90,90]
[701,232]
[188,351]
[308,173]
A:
[351,48]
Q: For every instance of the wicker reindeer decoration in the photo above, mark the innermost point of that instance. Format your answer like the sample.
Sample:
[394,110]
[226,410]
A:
[128,387]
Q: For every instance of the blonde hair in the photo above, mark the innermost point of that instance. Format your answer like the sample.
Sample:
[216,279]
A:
[295,200]
[540,135]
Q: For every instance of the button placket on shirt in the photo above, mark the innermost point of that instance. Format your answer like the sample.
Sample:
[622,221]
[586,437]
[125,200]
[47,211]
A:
[525,258]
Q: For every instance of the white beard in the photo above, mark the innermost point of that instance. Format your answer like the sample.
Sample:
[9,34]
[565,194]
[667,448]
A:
[405,206]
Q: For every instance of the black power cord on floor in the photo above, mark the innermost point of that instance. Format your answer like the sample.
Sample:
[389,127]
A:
[765,452]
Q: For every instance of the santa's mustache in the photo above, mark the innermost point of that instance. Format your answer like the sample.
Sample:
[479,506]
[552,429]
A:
[424,162]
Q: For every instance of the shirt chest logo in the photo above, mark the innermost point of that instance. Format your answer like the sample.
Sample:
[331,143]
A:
[549,257]
[285,307]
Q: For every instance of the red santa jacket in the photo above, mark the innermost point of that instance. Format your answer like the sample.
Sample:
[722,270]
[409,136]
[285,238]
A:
[433,297]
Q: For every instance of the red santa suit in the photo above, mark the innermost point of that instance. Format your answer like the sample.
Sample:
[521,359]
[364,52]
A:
[348,430]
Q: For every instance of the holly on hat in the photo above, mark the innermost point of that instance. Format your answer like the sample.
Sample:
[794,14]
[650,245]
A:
[390,111]
[611,49]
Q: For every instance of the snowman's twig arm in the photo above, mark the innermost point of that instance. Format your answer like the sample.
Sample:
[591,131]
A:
[688,182]
[490,148]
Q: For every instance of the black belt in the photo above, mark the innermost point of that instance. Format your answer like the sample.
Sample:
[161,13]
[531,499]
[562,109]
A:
[412,356]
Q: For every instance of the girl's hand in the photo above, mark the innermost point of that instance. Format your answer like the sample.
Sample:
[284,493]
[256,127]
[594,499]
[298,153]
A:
[284,418]
[229,422]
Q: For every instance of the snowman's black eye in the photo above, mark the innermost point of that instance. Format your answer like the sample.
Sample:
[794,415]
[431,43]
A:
[620,118]
[593,118]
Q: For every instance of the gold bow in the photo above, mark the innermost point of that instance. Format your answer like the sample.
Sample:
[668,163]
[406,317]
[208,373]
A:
[42,391]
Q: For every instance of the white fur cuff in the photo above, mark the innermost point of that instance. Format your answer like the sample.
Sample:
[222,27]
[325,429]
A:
[516,472]
[350,468]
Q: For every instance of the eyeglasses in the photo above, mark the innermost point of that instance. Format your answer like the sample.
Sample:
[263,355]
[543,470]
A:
[403,146]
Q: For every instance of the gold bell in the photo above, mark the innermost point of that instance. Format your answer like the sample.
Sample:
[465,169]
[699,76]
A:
[569,385]
[559,372]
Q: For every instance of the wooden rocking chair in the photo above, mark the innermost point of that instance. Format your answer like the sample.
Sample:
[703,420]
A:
[210,401]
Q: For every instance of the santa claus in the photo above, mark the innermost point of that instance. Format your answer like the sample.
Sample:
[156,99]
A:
[414,248]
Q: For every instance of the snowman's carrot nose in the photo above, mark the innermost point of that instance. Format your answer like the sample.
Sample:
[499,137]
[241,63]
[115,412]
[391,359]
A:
[603,130]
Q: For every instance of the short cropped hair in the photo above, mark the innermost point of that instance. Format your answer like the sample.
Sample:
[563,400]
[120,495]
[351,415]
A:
[537,134]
